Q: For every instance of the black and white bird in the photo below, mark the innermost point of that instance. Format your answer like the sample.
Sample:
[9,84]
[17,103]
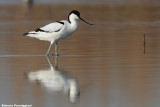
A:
[55,31]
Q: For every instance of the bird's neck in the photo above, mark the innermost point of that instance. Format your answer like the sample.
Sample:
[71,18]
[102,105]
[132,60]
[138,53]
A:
[74,24]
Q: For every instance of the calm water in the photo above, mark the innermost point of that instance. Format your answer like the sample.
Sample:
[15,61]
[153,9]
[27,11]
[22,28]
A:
[105,65]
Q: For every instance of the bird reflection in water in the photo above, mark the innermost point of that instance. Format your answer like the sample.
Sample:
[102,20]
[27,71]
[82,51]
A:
[55,80]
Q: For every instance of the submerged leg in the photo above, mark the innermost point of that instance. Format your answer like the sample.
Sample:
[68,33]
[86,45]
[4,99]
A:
[47,54]
[56,48]
[56,62]
[50,64]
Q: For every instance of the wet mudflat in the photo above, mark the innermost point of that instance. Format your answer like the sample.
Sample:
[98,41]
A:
[105,65]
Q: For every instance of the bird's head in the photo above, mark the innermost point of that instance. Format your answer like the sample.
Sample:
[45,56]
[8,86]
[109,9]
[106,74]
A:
[76,15]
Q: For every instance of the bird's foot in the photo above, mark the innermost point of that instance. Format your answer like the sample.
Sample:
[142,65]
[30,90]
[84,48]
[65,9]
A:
[54,54]
[47,54]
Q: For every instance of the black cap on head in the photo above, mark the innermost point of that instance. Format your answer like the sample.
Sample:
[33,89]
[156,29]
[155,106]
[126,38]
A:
[75,12]
[78,14]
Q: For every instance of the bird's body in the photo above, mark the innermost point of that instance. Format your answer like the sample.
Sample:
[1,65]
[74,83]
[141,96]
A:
[55,31]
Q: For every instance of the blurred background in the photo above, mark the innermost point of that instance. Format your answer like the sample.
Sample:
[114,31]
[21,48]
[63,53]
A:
[114,63]
[89,2]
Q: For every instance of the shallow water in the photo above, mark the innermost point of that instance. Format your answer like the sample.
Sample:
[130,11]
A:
[107,65]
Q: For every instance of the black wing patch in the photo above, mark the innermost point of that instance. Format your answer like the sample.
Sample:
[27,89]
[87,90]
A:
[60,23]
[40,30]
[57,30]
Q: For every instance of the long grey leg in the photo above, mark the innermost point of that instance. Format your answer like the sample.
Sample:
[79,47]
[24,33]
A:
[56,62]
[56,48]
[51,66]
[47,54]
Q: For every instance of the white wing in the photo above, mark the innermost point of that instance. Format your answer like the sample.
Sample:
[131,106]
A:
[52,27]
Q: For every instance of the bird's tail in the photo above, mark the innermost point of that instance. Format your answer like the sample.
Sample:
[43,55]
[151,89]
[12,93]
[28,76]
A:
[25,34]
[31,34]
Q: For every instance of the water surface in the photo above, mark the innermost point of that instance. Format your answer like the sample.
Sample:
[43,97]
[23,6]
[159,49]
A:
[105,63]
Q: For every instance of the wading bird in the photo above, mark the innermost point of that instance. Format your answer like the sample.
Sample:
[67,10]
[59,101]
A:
[56,31]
